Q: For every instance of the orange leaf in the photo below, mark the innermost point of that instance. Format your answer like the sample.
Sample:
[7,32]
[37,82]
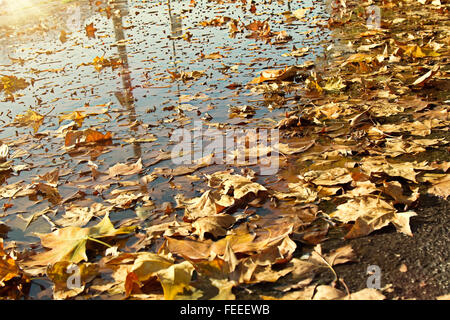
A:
[90,30]
[95,136]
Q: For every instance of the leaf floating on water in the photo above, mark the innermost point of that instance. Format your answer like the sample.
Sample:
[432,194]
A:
[30,118]
[90,30]
[122,169]
[76,116]
[69,244]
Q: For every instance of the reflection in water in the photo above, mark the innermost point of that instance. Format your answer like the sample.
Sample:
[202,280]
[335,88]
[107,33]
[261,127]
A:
[125,97]
[176,32]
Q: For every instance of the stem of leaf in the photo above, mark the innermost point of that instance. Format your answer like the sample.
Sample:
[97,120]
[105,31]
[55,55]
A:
[101,242]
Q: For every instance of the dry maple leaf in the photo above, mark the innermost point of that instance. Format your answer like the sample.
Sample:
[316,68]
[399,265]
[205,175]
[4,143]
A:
[380,165]
[418,52]
[14,283]
[73,138]
[50,192]
[232,184]
[329,177]
[11,84]
[441,187]
[395,190]
[215,225]
[93,136]
[426,77]
[51,177]
[369,214]
[15,190]
[212,56]
[175,279]
[300,191]
[326,292]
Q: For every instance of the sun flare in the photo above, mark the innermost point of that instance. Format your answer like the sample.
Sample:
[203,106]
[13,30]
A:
[13,11]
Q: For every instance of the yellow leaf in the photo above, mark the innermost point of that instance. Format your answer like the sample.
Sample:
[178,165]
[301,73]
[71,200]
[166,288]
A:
[30,118]
[76,116]
[69,244]
[175,279]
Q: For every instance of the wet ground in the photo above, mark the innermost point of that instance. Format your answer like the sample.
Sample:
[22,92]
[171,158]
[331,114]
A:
[152,41]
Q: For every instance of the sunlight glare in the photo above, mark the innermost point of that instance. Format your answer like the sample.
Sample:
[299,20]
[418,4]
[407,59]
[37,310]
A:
[14,10]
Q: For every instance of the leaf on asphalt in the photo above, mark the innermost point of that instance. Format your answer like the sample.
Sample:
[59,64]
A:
[370,214]
[441,187]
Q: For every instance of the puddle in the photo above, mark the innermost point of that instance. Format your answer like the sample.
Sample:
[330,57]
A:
[46,43]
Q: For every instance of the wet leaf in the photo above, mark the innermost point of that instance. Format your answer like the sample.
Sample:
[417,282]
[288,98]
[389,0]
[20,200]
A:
[122,169]
[30,118]
[90,30]
[69,244]
[76,116]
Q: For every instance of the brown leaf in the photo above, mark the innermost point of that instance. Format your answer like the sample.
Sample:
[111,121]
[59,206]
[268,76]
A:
[122,169]
[216,225]
[369,214]
[441,187]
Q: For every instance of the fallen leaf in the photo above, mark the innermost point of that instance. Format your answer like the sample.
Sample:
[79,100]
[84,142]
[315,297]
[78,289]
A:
[69,244]
[215,225]
[30,118]
[122,169]
[370,214]
[441,187]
